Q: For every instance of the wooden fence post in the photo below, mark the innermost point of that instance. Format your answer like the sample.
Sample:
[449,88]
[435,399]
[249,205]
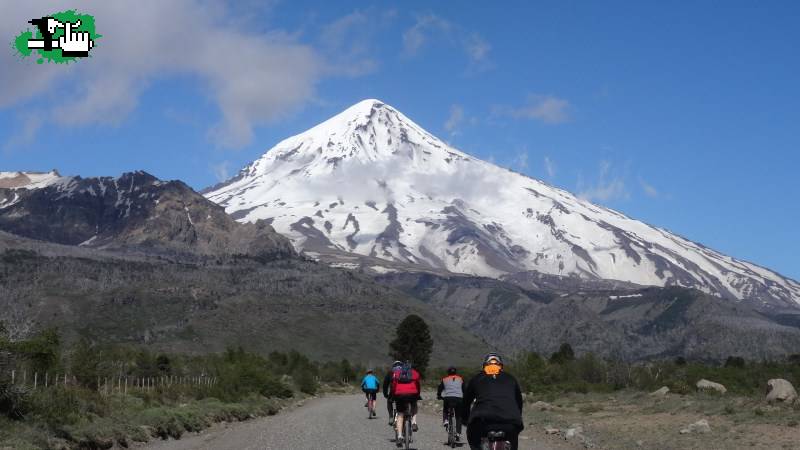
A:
[35,379]
[13,376]
[45,379]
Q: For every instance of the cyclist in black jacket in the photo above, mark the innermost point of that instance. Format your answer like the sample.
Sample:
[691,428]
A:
[497,404]
[387,383]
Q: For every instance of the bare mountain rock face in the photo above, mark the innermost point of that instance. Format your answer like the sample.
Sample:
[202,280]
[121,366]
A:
[142,261]
[371,182]
[134,212]
[633,324]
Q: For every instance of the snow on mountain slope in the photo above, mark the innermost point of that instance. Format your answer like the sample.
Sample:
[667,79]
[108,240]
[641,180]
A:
[372,182]
[28,180]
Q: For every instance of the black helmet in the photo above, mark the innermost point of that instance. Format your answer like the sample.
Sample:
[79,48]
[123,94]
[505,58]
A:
[492,358]
[451,370]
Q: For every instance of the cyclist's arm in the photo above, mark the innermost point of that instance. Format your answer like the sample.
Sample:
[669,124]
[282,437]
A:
[386,382]
[469,397]
[439,390]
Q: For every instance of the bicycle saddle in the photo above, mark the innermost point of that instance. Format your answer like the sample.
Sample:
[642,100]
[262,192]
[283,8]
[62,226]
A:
[495,436]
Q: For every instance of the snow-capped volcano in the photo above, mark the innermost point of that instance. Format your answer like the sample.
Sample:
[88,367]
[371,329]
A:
[370,181]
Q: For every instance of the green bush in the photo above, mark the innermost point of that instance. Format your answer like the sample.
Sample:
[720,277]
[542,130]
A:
[14,401]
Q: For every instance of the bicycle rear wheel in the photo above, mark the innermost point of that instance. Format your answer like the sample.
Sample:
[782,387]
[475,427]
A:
[451,429]
[407,432]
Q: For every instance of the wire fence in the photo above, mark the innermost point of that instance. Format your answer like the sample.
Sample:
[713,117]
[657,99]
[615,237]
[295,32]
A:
[104,385]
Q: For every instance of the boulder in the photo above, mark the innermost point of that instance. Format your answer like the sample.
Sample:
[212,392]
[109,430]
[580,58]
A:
[575,431]
[780,390]
[551,430]
[661,392]
[701,426]
[705,385]
[542,406]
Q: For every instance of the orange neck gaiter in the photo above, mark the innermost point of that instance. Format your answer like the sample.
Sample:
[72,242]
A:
[492,369]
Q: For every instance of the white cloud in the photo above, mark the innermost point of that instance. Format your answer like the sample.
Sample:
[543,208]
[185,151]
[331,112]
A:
[549,167]
[221,171]
[607,187]
[432,28]
[649,189]
[545,108]
[254,77]
[454,120]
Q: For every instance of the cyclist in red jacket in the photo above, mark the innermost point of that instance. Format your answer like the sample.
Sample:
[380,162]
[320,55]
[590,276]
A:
[405,391]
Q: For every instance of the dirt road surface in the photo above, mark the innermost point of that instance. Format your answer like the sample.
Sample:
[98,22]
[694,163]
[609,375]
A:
[335,423]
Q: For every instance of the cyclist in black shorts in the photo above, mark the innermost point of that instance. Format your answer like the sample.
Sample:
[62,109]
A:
[370,386]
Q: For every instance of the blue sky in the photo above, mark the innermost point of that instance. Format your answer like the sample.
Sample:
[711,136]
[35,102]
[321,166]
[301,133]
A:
[682,115]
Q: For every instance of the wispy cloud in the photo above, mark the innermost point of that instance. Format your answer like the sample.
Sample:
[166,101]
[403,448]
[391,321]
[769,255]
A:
[549,167]
[220,170]
[607,187]
[430,28]
[27,128]
[649,189]
[520,161]
[454,120]
[477,48]
[254,75]
[548,109]
[349,42]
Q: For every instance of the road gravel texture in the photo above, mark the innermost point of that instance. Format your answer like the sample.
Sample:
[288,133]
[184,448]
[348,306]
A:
[335,423]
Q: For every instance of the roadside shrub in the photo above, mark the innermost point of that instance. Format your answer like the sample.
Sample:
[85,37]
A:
[14,402]
[306,383]
[67,405]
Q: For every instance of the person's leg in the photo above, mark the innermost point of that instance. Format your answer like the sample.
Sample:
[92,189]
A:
[512,434]
[400,418]
[414,414]
[474,433]
[390,409]
[457,405]
[445,408]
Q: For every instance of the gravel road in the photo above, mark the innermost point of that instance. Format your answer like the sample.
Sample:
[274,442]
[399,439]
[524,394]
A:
[336,423]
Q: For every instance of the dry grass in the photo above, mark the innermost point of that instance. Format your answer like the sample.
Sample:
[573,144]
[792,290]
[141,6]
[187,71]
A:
[635,420]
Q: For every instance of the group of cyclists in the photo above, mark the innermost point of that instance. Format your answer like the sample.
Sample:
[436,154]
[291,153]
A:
[489,404]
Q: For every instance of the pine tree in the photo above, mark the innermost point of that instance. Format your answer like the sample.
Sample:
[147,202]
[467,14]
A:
[413,342]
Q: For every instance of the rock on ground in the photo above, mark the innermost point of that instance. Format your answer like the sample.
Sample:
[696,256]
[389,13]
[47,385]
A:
[701,426]
[780,390]
[542,406]
[710,385]
[661,392]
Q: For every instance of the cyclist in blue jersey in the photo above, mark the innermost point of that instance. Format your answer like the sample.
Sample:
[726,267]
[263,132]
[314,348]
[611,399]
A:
[370,385]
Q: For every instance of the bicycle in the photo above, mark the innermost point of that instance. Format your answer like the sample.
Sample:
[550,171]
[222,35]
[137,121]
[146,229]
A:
[407,431]
[451,428]
[495,440]
[371,405]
